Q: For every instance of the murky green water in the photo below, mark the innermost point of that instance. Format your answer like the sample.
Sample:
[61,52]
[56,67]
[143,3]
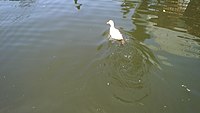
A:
[55,56]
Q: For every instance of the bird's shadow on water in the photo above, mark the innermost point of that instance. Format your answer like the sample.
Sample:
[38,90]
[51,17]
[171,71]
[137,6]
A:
[124,68]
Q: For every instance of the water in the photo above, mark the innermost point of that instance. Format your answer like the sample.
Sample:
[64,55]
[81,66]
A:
[55,56]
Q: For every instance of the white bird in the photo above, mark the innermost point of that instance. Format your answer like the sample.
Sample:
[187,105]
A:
[115,33]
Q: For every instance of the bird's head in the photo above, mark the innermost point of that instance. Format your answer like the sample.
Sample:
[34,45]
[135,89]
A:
[111,23]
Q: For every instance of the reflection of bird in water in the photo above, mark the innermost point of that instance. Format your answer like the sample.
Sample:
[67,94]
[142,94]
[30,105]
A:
[78,5]
[114,33]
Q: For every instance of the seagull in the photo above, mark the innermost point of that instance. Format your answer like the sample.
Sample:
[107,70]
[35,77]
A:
[115,33]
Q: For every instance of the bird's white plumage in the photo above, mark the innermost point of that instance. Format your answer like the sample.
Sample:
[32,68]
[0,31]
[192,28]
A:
[114,33]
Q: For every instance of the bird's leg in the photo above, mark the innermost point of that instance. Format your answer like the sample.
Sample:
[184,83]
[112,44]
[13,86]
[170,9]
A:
[122,41]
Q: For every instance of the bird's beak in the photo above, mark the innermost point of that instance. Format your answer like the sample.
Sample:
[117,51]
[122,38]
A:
[107,22]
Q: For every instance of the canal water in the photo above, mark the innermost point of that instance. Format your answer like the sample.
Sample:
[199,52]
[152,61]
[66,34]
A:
[55,56]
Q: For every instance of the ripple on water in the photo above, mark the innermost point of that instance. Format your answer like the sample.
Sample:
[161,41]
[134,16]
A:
[174,42]
[125,69]
[50,41]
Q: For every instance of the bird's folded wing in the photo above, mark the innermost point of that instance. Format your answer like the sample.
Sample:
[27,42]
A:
[116,34]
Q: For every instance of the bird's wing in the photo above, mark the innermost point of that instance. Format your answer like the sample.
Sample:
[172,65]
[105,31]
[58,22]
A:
[115,33]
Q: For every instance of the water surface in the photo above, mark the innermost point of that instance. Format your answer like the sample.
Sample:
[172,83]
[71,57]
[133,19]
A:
[55,56]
